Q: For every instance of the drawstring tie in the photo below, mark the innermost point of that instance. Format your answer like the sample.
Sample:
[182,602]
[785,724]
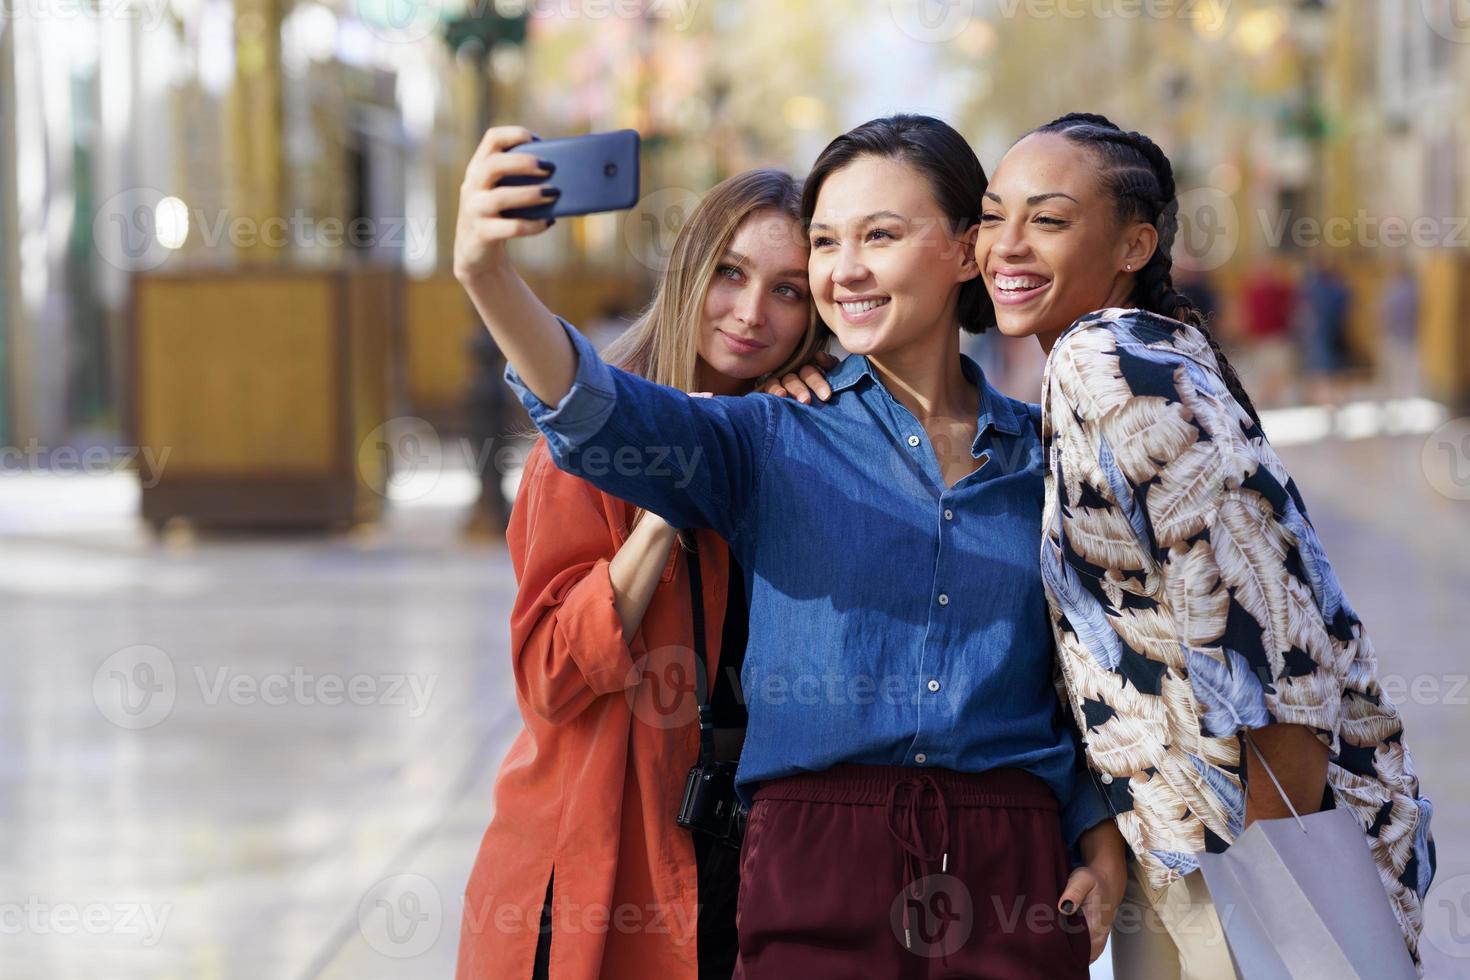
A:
[905,826]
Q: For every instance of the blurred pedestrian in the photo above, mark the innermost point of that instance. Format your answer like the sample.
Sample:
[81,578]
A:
[1321,324]
[1400,375]
[1268,300]
[495,421]
[1195,286]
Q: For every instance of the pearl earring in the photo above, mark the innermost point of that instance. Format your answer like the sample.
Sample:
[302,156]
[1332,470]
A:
[1127,268]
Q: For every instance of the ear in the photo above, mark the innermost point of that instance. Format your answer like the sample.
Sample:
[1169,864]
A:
[1137,247]
[969,262]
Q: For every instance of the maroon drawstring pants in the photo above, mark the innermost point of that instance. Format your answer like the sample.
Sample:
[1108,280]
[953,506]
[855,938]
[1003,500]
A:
[900,872]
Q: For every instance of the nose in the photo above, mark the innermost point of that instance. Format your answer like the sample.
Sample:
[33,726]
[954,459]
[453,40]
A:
[749,309]
[1010,240]
[848,268]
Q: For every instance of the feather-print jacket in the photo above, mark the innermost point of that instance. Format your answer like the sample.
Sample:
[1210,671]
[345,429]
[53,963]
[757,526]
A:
[1191,599]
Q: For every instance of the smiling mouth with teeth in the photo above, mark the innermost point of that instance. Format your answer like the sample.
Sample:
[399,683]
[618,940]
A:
[864,305]
[1018,283]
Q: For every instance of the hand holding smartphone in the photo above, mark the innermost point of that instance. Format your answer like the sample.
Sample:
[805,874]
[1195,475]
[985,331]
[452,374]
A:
[594,173]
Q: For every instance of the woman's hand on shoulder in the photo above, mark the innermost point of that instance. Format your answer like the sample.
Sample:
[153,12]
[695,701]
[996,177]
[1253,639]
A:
[808,380]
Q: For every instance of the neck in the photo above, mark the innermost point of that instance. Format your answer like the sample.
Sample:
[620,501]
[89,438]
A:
[926,378]
[708,379]
[1049,339]
[1118,296]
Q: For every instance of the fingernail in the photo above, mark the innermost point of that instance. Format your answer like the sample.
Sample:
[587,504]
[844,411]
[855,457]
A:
[551,192]
[1068,908]
[547,166]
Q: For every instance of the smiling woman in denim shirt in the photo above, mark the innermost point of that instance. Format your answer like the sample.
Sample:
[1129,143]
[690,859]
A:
[915,782]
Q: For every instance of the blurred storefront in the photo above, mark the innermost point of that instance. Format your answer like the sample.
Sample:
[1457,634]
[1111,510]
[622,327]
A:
[316,133]
[207,134]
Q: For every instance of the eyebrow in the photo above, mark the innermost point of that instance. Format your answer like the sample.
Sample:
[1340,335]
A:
[1034,199]
[865,220]
[735,258]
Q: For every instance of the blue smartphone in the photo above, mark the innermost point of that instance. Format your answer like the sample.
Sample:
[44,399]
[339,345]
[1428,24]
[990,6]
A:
[597,172]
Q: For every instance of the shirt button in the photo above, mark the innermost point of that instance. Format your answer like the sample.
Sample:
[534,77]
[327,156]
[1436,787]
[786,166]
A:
[1106,777]
[913,440]
[933,685]
[943,599]
[948,514]
[921,758]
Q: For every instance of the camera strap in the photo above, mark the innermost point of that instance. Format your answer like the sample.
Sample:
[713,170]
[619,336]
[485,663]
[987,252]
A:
[701,668]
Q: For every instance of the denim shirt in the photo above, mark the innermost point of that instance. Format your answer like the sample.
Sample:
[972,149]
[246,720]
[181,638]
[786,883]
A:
[893,620]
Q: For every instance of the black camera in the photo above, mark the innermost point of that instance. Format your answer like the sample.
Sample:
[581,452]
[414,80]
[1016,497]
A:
[710,804]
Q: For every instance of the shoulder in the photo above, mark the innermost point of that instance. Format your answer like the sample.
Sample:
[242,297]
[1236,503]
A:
[545,486]
[1112,357]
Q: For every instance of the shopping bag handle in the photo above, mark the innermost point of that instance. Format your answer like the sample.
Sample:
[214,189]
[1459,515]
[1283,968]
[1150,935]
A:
[1274,781]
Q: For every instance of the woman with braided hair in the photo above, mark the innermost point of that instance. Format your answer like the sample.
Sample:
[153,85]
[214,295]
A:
[1194,609]
[1190,595]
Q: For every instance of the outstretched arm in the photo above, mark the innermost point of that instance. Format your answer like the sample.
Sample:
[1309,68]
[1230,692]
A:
[693,462]
[531,339]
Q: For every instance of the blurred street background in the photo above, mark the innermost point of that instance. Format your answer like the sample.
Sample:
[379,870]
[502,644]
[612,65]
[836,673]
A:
[255,452]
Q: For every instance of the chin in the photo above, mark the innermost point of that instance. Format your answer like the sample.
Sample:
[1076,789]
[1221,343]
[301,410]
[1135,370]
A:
[858,341]
[745,369]
[1017,326]
[863,338]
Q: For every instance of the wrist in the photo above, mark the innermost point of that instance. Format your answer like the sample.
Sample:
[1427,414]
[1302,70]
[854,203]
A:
[1102,849]
[656,528]
[492,273]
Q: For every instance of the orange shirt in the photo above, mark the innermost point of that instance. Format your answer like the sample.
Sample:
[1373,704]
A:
[591,785]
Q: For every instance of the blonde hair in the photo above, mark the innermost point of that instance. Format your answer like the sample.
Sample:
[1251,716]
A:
[662,345]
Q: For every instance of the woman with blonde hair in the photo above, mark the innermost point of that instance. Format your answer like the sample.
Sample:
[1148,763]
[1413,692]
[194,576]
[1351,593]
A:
[583,872]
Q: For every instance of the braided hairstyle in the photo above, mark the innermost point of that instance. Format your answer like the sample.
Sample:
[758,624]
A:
[1141,181]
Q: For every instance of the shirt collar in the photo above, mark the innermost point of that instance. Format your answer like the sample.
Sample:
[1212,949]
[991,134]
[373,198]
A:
[995,408]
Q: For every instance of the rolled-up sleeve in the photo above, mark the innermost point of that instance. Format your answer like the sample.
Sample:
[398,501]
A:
[583,410]
[1084,810]
[695,462]
[567,644]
